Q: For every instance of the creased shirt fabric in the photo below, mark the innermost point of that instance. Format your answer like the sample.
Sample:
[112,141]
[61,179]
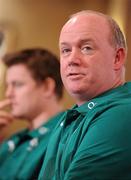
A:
[92,141]
[21,156]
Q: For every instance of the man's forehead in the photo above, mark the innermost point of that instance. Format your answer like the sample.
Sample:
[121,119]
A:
[85,24]
[85,19]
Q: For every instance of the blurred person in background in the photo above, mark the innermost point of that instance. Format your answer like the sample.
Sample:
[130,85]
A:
[34,92]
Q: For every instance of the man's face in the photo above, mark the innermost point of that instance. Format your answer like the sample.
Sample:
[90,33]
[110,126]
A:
[87,57]
[23,91]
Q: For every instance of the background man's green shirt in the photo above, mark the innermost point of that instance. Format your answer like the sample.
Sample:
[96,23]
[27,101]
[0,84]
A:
[93,141]
[21,156]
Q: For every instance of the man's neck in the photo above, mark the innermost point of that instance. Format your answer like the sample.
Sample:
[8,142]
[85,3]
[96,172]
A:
[44,116]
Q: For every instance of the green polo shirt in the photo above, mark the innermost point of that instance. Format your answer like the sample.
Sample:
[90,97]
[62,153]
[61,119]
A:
[93,141]
[21,156]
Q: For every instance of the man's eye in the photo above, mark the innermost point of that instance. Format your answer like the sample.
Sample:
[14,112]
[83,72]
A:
[86,49]
[65,50]
[18,84]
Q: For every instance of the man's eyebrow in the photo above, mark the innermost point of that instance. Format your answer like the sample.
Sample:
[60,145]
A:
[63,43]
[86,40]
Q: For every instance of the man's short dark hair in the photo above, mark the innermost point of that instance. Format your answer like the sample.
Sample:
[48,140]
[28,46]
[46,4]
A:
[40,62]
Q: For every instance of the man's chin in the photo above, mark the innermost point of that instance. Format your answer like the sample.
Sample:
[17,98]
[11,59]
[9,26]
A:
[77,94]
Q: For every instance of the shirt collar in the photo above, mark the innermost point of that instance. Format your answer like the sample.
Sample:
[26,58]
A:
[110,95]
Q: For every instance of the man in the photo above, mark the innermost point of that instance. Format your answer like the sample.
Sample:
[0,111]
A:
[93,139]
[34,90]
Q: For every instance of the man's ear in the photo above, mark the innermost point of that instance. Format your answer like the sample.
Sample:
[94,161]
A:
[48,86]
[120,58]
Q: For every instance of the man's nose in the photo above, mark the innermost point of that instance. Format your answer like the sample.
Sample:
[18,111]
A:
[74,58]
[9,92]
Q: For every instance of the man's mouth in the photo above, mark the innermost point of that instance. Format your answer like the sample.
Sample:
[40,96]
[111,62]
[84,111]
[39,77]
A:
[75,75]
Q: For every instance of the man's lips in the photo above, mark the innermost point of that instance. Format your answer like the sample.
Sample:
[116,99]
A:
[75,75]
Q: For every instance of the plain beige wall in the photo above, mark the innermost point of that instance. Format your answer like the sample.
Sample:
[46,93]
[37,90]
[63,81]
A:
[34,23]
